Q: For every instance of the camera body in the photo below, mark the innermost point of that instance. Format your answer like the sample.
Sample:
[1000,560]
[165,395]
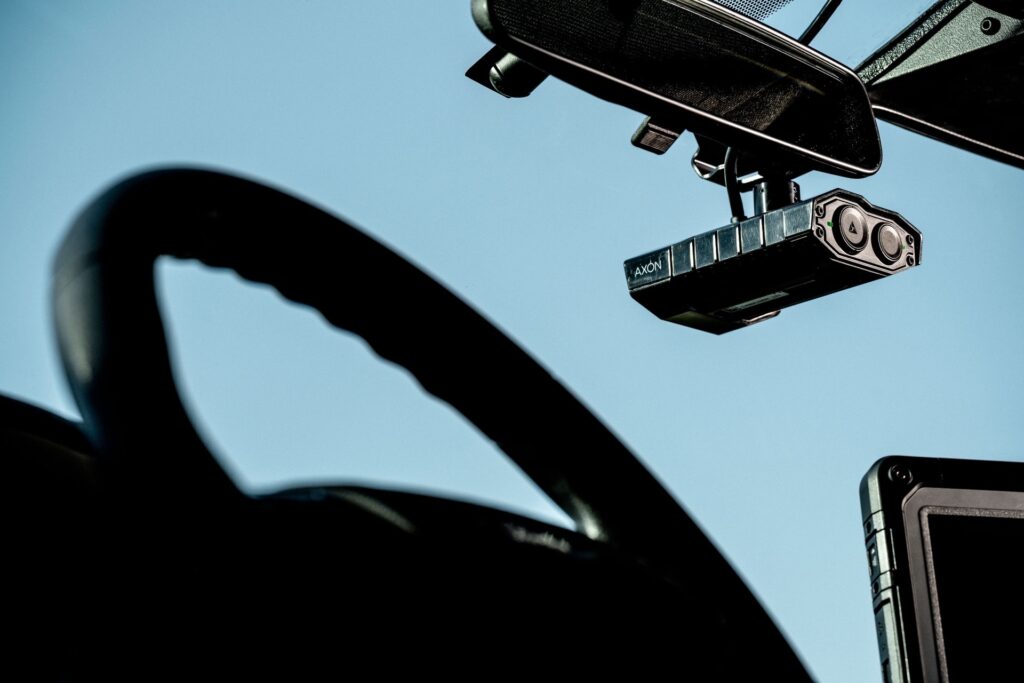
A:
[746,272]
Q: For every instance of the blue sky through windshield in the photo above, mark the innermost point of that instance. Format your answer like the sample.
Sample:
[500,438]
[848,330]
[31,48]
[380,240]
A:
[527,210]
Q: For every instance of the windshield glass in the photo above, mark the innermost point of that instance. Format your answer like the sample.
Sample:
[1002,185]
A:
[527,209]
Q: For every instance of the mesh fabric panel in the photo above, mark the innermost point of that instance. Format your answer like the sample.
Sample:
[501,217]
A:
[756,9]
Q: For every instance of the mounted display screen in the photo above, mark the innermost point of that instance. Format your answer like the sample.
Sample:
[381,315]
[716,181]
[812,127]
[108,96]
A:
[697,65]
[973,558]
[945,543]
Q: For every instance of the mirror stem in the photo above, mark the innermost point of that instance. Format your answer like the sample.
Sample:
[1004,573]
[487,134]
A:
[732,187]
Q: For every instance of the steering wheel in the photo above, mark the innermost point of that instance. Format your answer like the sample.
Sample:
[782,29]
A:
[397,572]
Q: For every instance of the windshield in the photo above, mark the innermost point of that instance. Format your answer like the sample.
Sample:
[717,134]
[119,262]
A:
[527,209]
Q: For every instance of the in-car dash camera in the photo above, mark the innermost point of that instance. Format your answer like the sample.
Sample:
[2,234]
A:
[745,272]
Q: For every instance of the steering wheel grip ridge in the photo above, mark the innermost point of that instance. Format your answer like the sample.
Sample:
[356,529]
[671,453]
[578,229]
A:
[114,351]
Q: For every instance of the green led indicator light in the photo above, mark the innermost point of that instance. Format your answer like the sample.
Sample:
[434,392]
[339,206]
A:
[830,224]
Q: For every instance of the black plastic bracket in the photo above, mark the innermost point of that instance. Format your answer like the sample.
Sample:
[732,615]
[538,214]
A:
[505,74]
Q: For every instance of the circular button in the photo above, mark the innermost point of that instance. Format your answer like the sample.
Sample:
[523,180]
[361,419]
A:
[890,244]
[851,228]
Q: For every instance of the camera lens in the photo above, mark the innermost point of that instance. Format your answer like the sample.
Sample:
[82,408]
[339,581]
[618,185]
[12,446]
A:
[889,243]
[850,228]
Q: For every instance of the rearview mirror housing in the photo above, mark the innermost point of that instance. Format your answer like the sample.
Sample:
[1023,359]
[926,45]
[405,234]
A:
[694,64]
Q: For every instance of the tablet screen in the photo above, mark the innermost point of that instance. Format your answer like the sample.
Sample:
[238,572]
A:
[975,563]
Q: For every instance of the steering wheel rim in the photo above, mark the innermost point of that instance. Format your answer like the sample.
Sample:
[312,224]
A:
[114,352]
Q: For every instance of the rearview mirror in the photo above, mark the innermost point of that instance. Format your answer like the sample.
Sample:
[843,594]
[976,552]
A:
[694,64]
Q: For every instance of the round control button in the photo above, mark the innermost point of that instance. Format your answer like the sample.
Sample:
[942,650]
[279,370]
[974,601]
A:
[851,228]
[890,245]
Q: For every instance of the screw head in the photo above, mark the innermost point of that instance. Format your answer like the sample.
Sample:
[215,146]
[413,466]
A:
[990,26]
[900,474]
[910,259]
[819,210]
